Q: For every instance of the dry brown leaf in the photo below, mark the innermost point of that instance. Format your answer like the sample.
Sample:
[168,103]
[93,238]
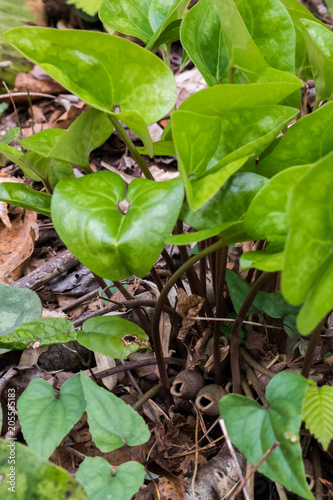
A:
[209,366]
[171,488]
[16,245]
[3,205]
[188,306]
[44,85]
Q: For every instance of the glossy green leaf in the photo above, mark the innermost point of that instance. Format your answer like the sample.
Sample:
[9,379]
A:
[169,35]
[161,148]
[319,42]
[267,22]
[308,140]
[202,38]
[266,217]
[113,244]
[318,412]
[308,265]
[35,477]
[145,20]
[228,205]
[103,70]
[89,6]
[39,411]
[112,423]
[262,260]
[43,141]
[96,476]
[242,51]
[21,195]
[10,135]
[112,336]
[89,131]
[45,331]
[221,125]
[253,430]
[17,305]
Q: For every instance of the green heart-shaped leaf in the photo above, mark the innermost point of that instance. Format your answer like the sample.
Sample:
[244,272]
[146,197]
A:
[45,331]
[17,306]
[21,195]
[88,217]
[308,265]
[95,475]
[112,422]
[112,336]
[39,411]
[307,141]
[253,430]
[34,477]
[103,70]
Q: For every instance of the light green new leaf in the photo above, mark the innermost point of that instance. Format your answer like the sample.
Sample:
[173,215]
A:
[308,265]
[318,412]
[90,7]
[39,411]
[45,331]
[89,131]
[112,423]
[145,19]
[266,217]
[96,476]
[110,240]
[35,477]
[253,430]
[267,22]
[202,38]
[10,135]
[112,336]
[103,70]
[307,141]
[216,129]
[17,305]
[319,42]
[21,195]
[262,260]
[242,51]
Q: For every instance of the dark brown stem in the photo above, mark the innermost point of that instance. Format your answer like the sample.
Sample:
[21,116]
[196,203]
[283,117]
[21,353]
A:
[132,365]
[309,355]
[234,338]
[221,257]
[171,266]
[203,269]
[158,309]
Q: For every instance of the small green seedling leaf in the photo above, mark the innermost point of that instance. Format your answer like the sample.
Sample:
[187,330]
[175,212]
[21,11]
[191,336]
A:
[39,333]
[103,70]
[308,265]
[39,411]
[113,233]
[307,141]
[112,422]
[21,195]
[17,306]
[112,336]
[318,412]
[253,430]
[319,42]
[10,135]
[34,476]
[99,481]
[43,141]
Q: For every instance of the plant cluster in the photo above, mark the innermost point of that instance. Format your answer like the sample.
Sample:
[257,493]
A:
[244,174]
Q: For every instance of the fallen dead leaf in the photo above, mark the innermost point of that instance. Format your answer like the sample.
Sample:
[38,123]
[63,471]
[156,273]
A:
[188,306]
[16,245]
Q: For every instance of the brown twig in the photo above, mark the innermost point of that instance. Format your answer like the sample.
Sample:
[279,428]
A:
[234,457]
[132,365]
[221,258]
[254,470]
[257,366]
[309,355]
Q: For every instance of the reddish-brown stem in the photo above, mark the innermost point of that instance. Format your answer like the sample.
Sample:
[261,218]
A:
[221,258]
[203,269]
[234,338]
[313,342]
[156,336]
[171,266]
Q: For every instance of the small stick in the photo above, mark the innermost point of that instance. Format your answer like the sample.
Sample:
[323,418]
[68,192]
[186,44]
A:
[234,457]
[231,320]
[257,366]
[309,355]
[78,301]
[196,459]
[253,470]
[13,103]
[132,365]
